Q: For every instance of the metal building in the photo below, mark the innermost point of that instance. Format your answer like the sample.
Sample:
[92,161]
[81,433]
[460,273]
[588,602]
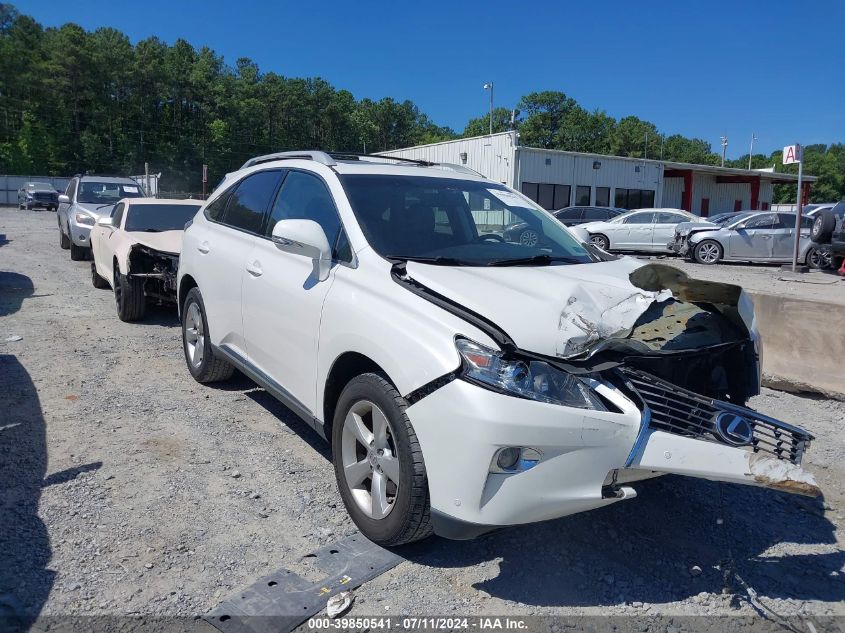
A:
[556,179]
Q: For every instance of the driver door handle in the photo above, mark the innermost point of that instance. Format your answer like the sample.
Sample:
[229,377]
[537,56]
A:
[254,269]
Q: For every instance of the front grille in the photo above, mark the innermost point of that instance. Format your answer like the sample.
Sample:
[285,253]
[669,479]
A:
[682,412]
[45,197]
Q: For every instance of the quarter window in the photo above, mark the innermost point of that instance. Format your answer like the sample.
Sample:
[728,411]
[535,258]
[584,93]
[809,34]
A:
[250,200]
[305,197]
[214,210]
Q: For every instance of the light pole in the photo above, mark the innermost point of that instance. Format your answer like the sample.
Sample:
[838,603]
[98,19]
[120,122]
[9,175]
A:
[724,148]
[751,151]
[489,86]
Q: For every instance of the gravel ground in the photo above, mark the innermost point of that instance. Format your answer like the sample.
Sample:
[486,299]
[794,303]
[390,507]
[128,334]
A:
[816,285]
[131,489]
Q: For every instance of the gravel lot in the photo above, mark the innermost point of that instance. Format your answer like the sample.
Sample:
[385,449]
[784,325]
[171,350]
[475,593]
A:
[816,285]
[131,489]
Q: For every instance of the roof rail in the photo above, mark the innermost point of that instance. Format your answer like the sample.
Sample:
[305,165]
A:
[318,156]
[356,156]
[461,169]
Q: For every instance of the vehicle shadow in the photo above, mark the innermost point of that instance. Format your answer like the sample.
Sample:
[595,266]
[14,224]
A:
[14,288]
[25,581]
[245,385]
[666,545]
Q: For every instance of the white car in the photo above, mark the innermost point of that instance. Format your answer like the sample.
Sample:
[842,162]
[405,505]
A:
[466,382]
[136,251]
[638,230]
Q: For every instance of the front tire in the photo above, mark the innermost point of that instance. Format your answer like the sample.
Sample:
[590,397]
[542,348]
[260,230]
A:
[203,362]
[529,237]
[98,281]
[64,240]
[129,297]
[600,241]
[708,252]
[78,253]
[378,463]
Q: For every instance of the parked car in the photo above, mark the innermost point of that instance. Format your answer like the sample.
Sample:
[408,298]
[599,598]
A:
[568,216]
[136,251]
[750,236]
[638,230]
[85,200]
[828,235]
[37,194]
[466,382]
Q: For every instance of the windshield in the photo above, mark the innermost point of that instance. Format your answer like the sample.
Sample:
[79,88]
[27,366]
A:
[153,218]
[456,222]
[107,192]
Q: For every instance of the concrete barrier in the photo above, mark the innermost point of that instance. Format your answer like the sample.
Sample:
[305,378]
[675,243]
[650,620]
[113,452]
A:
[803,344]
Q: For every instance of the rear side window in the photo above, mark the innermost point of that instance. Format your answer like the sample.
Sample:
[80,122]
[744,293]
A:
[250,200]
[669,218]
[214,211]
[639,218]
[572,213]
[305,197]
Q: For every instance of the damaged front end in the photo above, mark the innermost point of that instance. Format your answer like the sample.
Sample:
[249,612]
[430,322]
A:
[687,354]
[157,269]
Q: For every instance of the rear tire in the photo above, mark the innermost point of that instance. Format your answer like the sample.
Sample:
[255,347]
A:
[203,363]
[98,281]
[818,259]
[78,253]
[129,297]
[708,252]
[529,237]
[366,467]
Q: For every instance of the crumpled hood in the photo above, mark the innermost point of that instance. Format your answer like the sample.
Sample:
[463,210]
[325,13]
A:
[166,241]
[685,228]
[553,310]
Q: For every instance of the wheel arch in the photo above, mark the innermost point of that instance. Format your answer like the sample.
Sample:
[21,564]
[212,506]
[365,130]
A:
[343,369]
[185,284]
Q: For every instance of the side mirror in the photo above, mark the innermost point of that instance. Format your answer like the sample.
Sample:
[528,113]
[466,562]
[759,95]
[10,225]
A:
[305,238]
[105,221]
[64,199]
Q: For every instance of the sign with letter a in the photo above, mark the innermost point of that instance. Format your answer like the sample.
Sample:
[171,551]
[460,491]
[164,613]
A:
[791,154]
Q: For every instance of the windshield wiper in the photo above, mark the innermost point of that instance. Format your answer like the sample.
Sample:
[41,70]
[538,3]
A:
[536,260]
[152,230]
[437,261]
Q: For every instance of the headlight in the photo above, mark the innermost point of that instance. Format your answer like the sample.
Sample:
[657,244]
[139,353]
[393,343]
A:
[84,218]
[530,379]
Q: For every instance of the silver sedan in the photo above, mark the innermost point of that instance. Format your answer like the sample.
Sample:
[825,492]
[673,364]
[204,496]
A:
[751,236]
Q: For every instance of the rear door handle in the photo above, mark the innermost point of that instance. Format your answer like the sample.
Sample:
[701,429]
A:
[203,247]
[254,269]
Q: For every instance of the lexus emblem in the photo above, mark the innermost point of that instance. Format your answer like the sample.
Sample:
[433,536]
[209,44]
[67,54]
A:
[734,429]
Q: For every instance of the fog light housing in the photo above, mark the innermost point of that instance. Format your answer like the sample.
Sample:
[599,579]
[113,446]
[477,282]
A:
[514,459]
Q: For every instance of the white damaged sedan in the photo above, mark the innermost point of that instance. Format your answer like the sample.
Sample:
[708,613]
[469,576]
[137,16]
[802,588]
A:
[136,250]
[466,382]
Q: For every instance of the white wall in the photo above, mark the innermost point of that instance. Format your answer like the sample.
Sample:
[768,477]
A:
[566,168]
[491,156]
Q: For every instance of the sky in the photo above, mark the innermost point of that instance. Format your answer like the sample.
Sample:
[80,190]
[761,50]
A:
[702,69]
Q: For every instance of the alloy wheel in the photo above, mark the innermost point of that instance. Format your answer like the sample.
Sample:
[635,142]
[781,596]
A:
[599,242]
[709,253]
[370,461]
[529,238]
[194,335]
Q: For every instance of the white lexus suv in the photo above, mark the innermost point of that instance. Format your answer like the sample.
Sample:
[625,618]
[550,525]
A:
[466,382]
